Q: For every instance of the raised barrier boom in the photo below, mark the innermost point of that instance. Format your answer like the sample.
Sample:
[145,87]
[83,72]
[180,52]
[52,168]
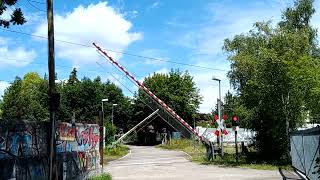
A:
[149,93]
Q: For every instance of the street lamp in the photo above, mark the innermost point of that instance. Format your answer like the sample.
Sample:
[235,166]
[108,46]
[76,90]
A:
[219,102]
[219,114]
[112,113]
[103,100]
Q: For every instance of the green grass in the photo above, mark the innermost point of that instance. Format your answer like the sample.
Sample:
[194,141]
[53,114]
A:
[102,177]
[193,148]
[116,152]
[198,153]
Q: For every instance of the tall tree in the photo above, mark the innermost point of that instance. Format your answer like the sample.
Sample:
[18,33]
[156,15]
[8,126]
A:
[176,89]
[16,17]
[26,99]
[83,97]
[274,70]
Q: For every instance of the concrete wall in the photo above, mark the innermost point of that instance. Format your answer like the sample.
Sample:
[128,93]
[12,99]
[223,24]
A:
[81,142]
[23,150]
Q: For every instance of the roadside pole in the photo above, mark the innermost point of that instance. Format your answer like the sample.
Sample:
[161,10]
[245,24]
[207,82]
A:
[52,94]
[220,119]
[236,141]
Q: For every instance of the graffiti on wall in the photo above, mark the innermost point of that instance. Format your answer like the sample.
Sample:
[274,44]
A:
[88,160]
[83,139]
[22,140]
[23,150]
[78,137]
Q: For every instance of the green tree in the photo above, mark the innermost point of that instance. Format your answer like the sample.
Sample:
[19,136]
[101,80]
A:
[275,72]
[16,18]
[83,98]
[176,89]
[234,106]
[26,99]
[1,111]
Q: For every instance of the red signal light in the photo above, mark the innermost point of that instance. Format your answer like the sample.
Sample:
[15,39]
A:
[224,117]
[234,118]
[215,117]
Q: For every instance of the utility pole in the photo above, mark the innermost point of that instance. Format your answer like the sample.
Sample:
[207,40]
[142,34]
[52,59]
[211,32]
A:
[52,95]
[219,115]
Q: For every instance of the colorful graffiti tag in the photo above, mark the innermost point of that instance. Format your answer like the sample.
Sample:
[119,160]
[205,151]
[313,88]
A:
[23,150]
[82,139]
[78,137]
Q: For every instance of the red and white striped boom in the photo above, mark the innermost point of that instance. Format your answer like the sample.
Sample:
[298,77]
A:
[145,89]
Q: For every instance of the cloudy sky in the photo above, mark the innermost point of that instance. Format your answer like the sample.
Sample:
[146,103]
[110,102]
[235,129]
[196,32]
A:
[177,32]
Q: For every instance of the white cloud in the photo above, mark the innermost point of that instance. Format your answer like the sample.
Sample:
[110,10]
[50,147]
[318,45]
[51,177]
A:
[162,71]
[98,23]
[3,86]
[208,36]
[16,57]
[209,89]
[155,5]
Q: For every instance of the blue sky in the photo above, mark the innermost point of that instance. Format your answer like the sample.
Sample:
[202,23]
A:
[190,32]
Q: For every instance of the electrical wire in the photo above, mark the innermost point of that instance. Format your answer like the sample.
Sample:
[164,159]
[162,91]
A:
[37,2]
[153,109]
[62,66]
[118,52]
[35,7]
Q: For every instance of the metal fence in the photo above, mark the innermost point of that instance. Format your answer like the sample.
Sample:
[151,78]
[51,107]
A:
[244,135]
[305,150]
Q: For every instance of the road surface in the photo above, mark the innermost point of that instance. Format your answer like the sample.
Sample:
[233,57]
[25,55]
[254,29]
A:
[154,163]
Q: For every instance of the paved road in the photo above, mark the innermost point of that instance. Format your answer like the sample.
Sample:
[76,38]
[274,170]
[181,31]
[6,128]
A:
[153,163]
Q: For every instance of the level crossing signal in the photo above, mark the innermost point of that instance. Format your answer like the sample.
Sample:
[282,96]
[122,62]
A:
[235,121]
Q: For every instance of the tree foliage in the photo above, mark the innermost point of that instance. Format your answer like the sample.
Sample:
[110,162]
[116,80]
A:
[233,106]
[26,98]
[83,97]
[176,89]
[16,17]
[275,70]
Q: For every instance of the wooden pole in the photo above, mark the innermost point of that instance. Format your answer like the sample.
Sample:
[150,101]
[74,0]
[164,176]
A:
[51,68]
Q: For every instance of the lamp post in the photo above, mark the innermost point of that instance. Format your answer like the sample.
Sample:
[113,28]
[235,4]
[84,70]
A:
[102,138]
[102,109]
[219,114]
[103,100]
[112,113]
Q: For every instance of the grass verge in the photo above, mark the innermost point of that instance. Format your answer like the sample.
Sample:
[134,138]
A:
[101,177]
[116,152]
[198,151]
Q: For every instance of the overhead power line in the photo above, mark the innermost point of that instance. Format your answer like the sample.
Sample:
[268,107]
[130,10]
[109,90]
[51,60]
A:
[62,66]
[34,6]
[37,2]
[119,52]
